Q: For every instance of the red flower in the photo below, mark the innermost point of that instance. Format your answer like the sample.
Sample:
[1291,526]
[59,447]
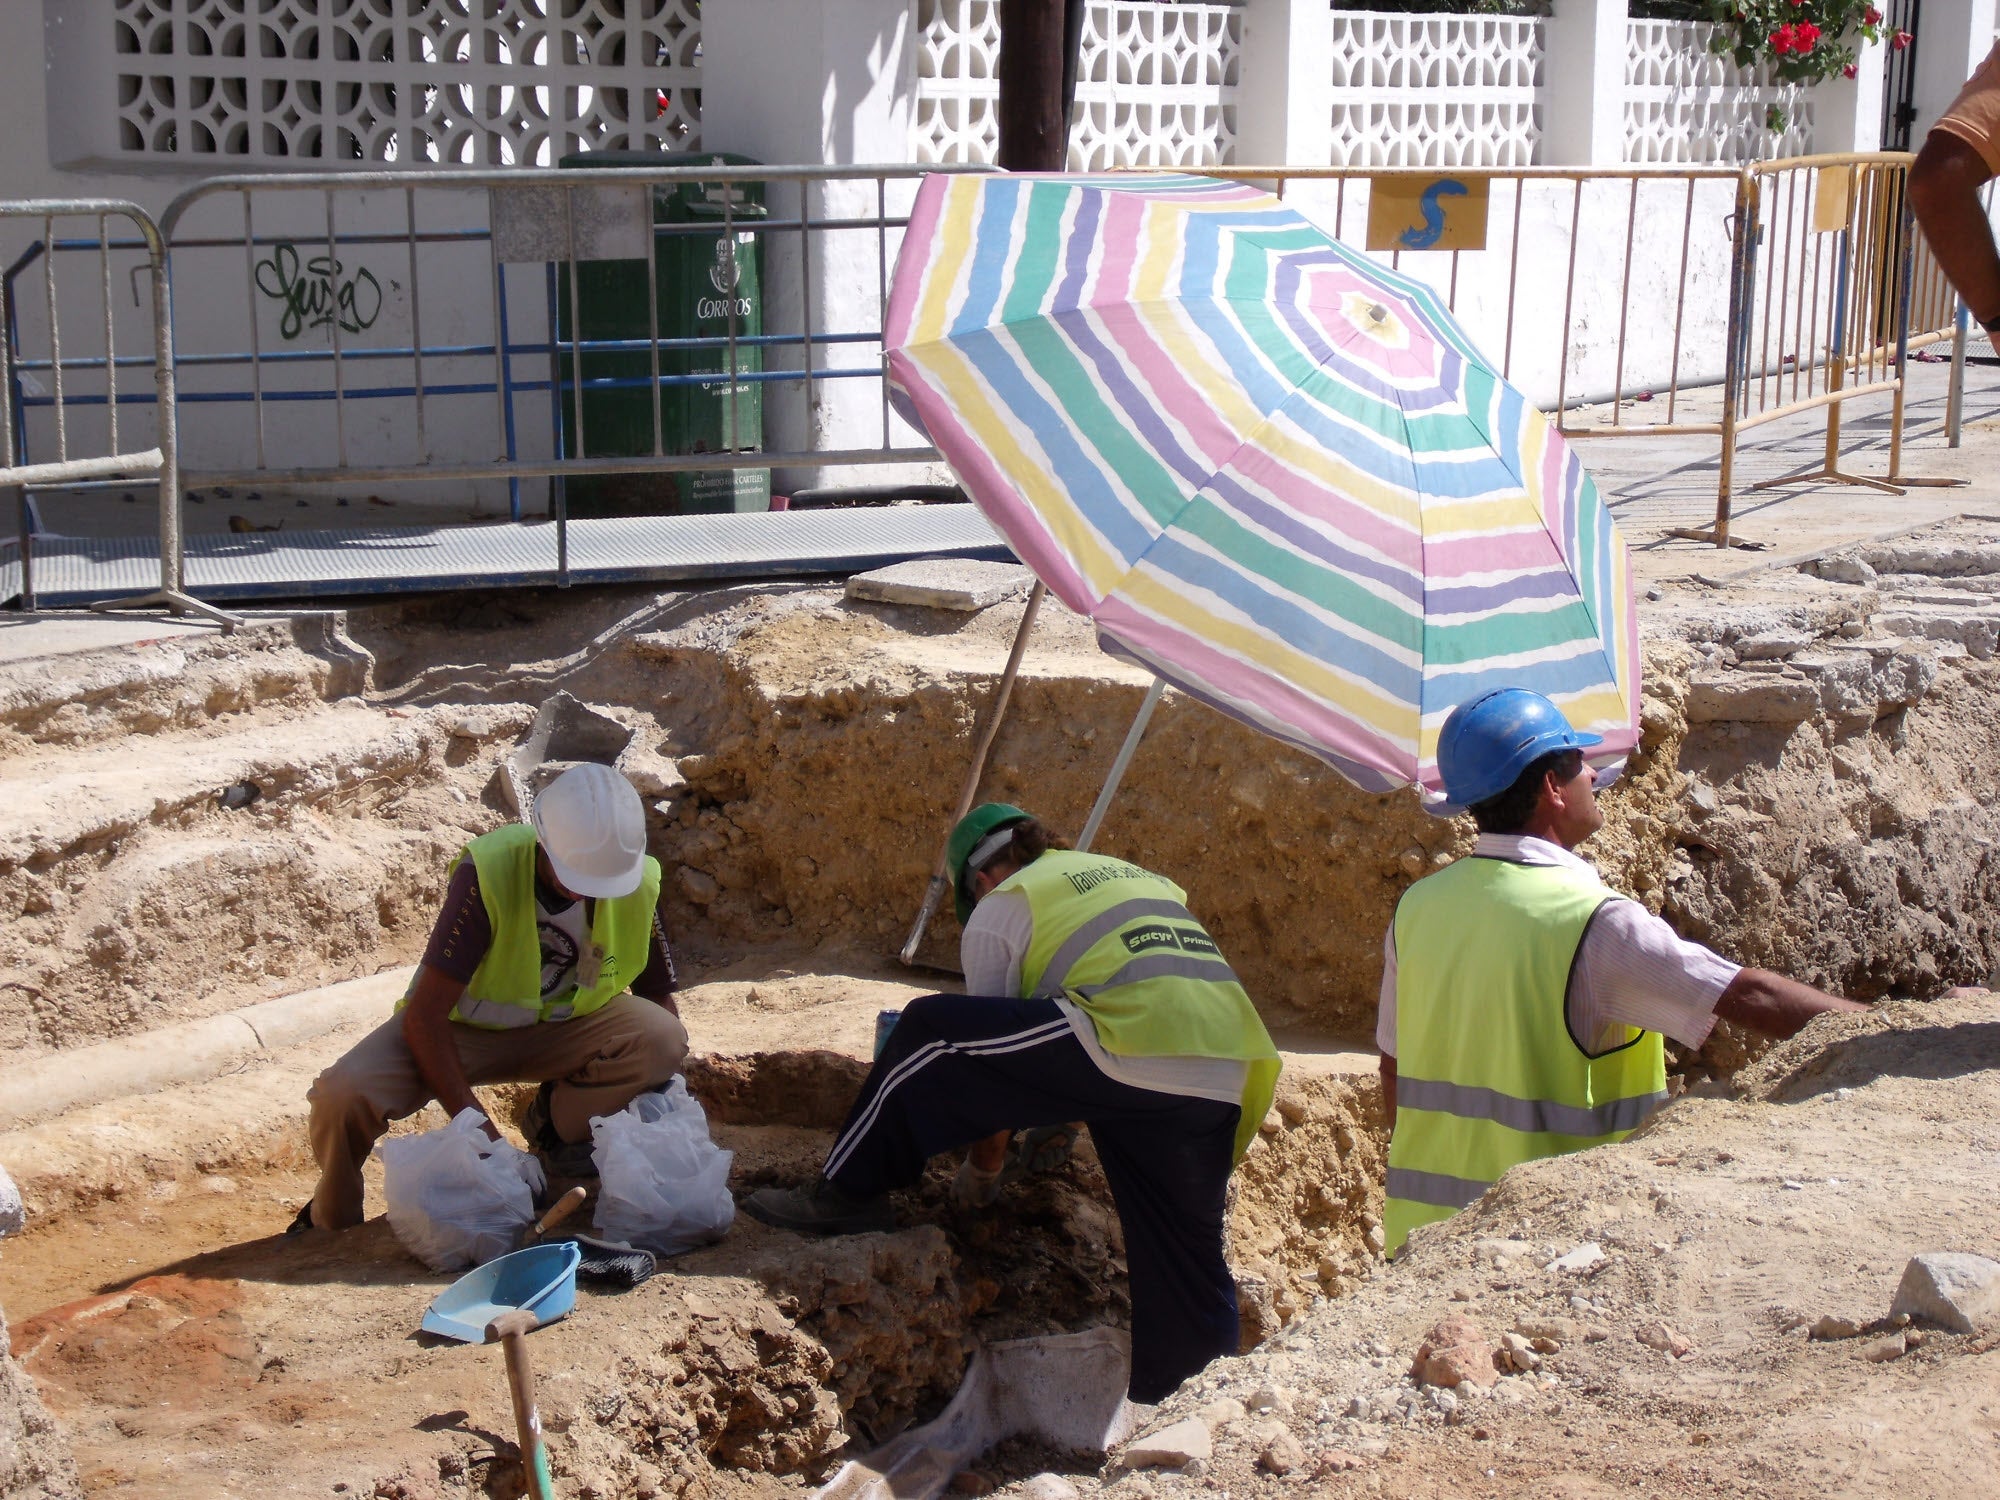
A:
[1899,41]
[1871,17]
[1805,36]
[1781,40]
[1849,71]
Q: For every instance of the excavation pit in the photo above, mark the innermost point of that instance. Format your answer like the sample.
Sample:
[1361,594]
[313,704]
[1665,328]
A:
[1812,794]
[766,1355]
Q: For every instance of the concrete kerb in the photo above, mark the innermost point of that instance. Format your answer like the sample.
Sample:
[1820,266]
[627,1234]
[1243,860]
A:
[193,1052]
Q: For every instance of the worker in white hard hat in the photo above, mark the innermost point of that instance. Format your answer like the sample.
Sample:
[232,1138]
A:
[549,963]
[1524,1002]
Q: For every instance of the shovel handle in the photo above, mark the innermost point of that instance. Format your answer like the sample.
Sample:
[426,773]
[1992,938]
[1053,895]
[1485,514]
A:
[512,1330]
[561,1209]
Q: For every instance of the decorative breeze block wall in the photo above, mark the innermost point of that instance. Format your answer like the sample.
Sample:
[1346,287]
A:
[404,82]
[1684,103]
[1156,84]
[1437,91]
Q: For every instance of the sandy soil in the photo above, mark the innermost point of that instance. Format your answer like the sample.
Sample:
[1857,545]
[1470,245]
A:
[278,1355]
[1736,1222]
[217,1362]
[1813,792]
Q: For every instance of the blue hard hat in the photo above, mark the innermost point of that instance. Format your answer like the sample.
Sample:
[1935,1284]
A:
[1487,743]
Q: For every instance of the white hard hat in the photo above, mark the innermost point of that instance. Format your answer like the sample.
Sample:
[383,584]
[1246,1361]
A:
[593,830]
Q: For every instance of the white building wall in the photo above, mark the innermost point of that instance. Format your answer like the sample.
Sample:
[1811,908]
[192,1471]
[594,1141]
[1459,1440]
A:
[846,81]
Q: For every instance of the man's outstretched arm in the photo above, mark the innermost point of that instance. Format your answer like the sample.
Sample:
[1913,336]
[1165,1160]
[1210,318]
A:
[1944,190]
[1774,1005]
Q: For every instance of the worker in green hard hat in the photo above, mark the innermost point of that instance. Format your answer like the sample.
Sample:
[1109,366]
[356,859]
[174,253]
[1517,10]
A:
[1093,994]
[1523,1001]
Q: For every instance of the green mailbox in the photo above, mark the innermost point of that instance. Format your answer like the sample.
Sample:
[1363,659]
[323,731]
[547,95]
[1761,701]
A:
[703,276]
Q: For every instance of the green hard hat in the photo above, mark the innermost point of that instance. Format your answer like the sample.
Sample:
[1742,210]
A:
[971,828]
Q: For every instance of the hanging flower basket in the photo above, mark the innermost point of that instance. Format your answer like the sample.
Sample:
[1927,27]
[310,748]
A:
[1801,41]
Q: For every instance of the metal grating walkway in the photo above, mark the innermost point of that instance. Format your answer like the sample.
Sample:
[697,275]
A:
[225,568]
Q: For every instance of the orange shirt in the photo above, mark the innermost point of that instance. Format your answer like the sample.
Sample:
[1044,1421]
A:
[1974,116]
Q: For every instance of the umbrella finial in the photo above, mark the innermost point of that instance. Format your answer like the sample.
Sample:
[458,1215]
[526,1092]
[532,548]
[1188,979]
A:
[1378,313]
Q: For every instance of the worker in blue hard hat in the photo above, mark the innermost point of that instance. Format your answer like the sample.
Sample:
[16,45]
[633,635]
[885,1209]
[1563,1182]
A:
[1093,994]
[1523,1001]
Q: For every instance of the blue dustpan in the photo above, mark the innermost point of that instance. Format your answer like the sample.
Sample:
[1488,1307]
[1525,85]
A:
[540,1279]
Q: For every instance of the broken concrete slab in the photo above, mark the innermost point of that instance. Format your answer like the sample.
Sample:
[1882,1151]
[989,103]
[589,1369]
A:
[1954,1291]
[1772,645]
[942,583]
[1171,1447]
[1747,698]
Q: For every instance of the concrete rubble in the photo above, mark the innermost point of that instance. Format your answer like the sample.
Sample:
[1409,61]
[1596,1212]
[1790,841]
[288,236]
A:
[1954,1291]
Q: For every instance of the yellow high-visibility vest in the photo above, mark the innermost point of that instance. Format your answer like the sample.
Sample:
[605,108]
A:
[505,991]
[1120,942]
[1487,1072]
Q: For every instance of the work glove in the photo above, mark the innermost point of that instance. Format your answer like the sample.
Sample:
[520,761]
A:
[975,1187]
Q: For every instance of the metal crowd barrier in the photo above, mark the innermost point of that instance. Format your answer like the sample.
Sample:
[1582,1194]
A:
[1531,287]
[1742,295]
[469,258]
[436,317]
[111,462]
[1830,289]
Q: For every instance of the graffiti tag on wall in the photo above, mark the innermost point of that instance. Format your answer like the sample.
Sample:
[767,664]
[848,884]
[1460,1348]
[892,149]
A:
[313,292]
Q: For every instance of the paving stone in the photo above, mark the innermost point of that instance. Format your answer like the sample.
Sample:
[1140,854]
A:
[942,583]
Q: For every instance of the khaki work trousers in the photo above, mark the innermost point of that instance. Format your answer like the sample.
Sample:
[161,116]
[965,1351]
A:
[600,1063]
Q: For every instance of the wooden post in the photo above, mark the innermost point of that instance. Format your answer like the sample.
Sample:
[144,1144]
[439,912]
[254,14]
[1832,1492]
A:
[1034,135]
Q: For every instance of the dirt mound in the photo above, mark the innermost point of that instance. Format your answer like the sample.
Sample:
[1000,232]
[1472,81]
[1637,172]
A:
[1944,1040]
[725,1379]
[1663,1294]
[35,1461]
[813,1088]
[1306,1200]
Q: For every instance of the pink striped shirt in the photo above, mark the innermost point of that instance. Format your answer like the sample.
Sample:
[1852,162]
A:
[1631,970]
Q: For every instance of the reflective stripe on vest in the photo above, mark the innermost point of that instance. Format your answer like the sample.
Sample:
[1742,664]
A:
[1121,943]
[1434,1189]
[504,992]
[1488,1075]
[1094,931]
[1542,1116]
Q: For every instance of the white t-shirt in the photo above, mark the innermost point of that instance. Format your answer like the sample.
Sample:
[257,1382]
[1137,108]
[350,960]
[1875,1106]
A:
[996,941]
[1631,969]
[565,938]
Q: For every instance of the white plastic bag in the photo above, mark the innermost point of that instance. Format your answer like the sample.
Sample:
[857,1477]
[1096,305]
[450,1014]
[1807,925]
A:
[12,1214]
[663,1185]
[456,1197]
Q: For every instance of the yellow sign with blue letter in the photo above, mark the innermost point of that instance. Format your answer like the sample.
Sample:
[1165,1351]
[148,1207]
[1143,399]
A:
[1412,211]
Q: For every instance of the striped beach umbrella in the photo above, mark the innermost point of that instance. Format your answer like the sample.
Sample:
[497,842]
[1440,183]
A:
[1275,473]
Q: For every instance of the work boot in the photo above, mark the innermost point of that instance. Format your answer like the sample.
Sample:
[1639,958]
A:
[560,1158]
[820,1207]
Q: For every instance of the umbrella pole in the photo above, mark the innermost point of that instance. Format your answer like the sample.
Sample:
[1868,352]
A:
[940,875]
[1125,753]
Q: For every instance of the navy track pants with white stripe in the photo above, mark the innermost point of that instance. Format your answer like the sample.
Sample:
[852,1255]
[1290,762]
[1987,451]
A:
[957,1068]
